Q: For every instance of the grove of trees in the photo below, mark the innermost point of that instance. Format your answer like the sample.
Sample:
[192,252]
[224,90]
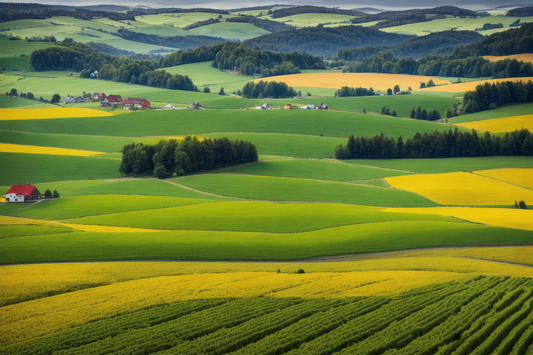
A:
[187,156]
[489,96]
[263,89]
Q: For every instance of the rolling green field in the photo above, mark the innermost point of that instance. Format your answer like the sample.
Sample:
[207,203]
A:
[177,20]
[312,20]
[506,111]
[161,30]
[230,30]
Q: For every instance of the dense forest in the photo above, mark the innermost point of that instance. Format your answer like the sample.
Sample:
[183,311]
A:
[263,89]
[323,41]
[174,10]
[437,145]
[346,91]
[404,20]
[399,14]
[34,7]
[107,49]
[489,96]
[291,11]
[436,43]
[79,13]
[267,25]
[190,155]
[183,42]
[80,57]
[266,63]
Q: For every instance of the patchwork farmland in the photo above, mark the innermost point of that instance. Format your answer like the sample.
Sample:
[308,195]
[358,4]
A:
[290,252]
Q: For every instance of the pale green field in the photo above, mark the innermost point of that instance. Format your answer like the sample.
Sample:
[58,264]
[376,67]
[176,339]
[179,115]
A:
[230,30]
[161,30]
[203,74]
[311,20]
[177,20]
[20,24]
[16,48]
[461,24]
[108,22]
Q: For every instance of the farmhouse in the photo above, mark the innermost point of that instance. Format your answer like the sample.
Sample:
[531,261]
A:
[98,96]
[73,100]
[265,106]
[308,107]
[196,106]
[169,107]
[321,107]
[136,102]
[113,100]
[288,107]
[23,193]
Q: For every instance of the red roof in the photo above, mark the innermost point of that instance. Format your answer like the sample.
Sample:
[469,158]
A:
[132,100]
[26,190]
[114,98]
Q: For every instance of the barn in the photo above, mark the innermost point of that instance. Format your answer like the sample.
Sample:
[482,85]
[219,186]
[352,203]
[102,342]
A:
[23,193]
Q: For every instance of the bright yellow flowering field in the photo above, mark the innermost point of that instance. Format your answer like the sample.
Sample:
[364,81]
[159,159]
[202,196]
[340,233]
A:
[44,316]
[461,188]
[526,57]
[33,149]
[377,81]
[43,113]
[8,221]
[501,217]
[504,124]
[462,87]
[517,176]
[108,229]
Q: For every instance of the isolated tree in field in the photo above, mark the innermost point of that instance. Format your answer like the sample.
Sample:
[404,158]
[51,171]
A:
[239,92]
[30,95]
[13,92]
[516,204]
[221,92]
[308,94]
[394,114]
[207,90]
[299,93]
[387,112]
[55,99]
[430,83]
[522,205]
[396,88]
[55,194]
[422,85]
[364,110]
[48,194]
[389,91]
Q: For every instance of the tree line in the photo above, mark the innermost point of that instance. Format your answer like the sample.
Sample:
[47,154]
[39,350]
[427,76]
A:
[489,96]
[41,14]
[190,155]
[323,41]
[268,25]
[264,89]
[346,91]
[290,11]
[267,63]
[437,145]
[174,42]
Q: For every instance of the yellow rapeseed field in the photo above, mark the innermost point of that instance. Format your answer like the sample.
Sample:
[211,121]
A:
[377,81]
[44,113]
[107,229]
[33,149]
[461,189]
[516,176]
[501,217]
[13,221]
[504,124]
[462,87]
[526,57]
[45,316]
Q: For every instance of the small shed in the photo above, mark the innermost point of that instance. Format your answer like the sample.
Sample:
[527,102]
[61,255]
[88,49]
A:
[308,107]
[265,106]
[23,193]
[321,107]
[169,107]
[288,107]
[69,99]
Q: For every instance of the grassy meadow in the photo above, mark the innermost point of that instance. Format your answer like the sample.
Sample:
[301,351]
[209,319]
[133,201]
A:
[295,253]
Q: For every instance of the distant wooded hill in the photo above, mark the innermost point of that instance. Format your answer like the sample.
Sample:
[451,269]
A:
[437,43]
[398,16]
[42,7]
[521,11]
[324,41]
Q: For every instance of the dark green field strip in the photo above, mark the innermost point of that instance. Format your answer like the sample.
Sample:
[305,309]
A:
[435,166]
[296,334]
[168,123]
[228,339]
[19,168]
[290,189]
[142,187]
[314,169]
[225,246]
[504,111]
[80,206]
[110,328]
[95,143]
[177,331]
[292,145]
[14,231]
[16,102]
[246,216]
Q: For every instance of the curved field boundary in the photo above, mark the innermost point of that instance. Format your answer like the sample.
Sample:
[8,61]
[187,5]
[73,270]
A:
[498,125]
[462,87]
[33,149]
[7,114]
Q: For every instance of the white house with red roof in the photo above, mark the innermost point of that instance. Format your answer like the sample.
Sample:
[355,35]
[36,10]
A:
[23,193]
[137,102]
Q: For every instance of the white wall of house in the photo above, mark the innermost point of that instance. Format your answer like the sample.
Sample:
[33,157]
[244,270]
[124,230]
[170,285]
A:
[14,198]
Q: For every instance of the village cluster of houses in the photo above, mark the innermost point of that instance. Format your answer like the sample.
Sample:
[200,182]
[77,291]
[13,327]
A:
[266,106]
[116,101]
